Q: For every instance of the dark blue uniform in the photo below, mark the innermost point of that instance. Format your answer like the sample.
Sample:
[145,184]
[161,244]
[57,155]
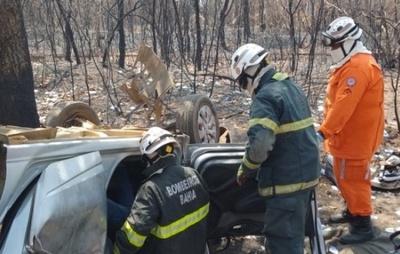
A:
[169,212]
[282,145]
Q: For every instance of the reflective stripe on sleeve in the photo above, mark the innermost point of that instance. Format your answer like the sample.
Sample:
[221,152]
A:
[286,189]
[288,127]
[249,164]
[134,238]
[164,232]
[115,249]
[265,122]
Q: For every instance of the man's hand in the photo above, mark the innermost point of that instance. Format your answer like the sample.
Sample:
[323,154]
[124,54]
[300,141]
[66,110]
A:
[243,176]
[320,137]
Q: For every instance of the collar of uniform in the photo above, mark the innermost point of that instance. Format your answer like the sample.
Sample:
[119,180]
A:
[159,166]
[266,78]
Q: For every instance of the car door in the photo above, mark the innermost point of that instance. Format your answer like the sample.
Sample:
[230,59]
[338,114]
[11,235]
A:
[235,210]
[69,209]
[239,210]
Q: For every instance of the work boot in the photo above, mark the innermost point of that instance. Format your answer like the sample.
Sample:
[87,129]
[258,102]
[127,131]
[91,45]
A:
[343,217]
[360,231]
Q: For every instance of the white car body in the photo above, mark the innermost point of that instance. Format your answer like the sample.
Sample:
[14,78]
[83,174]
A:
[54,188]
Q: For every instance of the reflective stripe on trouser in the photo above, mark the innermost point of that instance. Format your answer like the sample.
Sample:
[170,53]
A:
[286,189]
[285,221]
[353,179]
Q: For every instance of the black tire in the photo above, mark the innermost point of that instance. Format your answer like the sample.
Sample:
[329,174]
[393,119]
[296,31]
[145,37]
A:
[198,119]
[67,113]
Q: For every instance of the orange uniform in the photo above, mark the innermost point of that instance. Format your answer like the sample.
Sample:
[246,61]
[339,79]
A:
[353,127]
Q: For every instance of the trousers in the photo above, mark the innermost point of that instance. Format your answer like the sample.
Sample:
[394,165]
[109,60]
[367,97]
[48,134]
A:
[353,179]
[285,222]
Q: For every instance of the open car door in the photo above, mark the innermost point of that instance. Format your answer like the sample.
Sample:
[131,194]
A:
[235,210]
[239,210]
[69,209]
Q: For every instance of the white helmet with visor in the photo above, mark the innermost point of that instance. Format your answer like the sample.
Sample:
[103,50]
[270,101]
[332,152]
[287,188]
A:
[340,30]
[154,139]
[244,57]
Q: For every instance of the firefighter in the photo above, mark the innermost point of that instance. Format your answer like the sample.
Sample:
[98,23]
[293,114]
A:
[170,208]
[353,124]
[282,148]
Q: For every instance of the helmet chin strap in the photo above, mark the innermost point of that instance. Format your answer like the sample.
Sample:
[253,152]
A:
[149,161]
[340,53]
[163,152]
[352,47]
[247,77]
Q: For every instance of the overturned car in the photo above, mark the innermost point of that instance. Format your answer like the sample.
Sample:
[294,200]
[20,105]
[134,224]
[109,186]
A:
[55,182]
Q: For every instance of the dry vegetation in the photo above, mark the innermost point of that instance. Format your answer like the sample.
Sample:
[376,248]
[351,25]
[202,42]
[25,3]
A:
[195,40]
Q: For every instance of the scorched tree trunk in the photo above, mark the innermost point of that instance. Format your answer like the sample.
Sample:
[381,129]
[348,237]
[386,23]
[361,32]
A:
[17,98]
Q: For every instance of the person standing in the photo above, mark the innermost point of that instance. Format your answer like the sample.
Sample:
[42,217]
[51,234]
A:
[169,212]
[282,148]
[353,124]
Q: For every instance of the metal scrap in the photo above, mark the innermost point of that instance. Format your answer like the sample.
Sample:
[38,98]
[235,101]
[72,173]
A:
[151,83]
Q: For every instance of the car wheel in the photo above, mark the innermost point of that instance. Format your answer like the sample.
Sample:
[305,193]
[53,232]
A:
[197,118]
[71,113]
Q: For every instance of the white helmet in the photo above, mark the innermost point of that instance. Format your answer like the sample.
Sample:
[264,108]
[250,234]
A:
[245,56]
[156,138]
[340,30]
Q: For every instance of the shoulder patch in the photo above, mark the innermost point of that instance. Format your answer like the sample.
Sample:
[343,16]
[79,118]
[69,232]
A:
[351,81]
